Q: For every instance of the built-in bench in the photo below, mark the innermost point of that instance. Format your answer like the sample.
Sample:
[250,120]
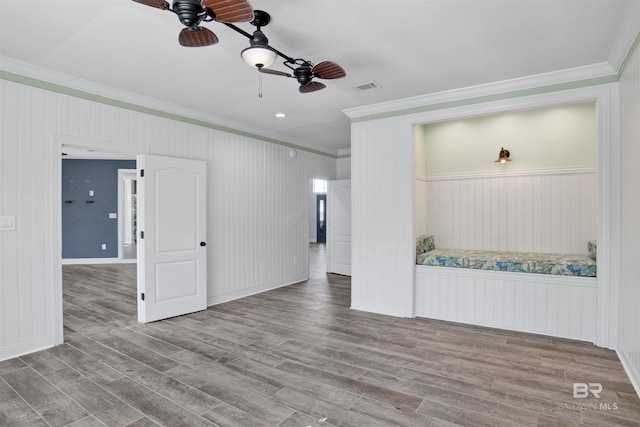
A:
[551,294]
[522,262]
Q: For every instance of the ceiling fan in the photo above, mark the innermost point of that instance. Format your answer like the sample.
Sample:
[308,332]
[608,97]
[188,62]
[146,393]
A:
[259,54]
[304,72]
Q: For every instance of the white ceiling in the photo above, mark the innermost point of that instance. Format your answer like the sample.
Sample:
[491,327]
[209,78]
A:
[409,47]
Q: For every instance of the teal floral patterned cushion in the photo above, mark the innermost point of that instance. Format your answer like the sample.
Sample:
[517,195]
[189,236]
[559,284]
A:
[593,248]
[459,258]
[542,263]
[424,244]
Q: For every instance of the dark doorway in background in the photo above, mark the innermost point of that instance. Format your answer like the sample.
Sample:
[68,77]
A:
[321,218]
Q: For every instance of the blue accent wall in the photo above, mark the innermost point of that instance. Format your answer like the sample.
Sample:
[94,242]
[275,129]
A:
[86,226]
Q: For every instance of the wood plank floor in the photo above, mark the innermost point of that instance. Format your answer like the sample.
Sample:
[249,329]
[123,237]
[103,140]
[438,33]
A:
[298,356]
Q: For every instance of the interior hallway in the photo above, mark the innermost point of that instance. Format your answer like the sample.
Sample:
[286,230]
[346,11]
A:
[297,356]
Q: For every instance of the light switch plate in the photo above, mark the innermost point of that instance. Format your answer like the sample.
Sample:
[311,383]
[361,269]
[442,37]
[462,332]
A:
[7,223]
[113,215]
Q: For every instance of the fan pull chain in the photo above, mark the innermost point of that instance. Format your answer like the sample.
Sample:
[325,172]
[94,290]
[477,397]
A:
[259,82]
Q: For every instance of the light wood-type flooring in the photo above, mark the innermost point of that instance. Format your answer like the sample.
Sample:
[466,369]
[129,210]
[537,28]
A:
[298,356]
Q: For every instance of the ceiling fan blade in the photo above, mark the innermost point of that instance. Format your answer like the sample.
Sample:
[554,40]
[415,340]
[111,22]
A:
[230,10]
[160,4]
[328,70]
[275,72]
[197,38]
[312,87]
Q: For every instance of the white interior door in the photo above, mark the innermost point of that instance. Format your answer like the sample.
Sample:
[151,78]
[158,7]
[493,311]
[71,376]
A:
[172,276]
[339,227]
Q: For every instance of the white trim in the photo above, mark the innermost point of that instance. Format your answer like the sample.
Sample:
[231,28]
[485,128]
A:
[626,37]
[570,96]
[121,175]
[558,171]
[231,296]
[632,373]
[27,347]
[539,80]
[66,140]
[56,231]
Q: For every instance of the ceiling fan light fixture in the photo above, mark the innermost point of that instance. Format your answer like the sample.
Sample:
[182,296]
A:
[258,56]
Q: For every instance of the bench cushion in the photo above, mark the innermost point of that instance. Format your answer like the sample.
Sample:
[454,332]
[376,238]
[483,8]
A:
[424,244]
[543,263]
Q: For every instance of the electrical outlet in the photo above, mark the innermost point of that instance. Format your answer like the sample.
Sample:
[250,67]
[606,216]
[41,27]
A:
[7,223]
[90,193]
[104,246]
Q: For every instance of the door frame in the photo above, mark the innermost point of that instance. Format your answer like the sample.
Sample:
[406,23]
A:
[60,141]
[122,173]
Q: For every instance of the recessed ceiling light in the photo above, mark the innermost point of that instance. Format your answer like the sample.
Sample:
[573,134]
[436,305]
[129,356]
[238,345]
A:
[280,115]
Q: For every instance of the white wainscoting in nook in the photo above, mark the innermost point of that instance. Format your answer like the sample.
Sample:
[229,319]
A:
[560,306]
[533,211]
[526,211]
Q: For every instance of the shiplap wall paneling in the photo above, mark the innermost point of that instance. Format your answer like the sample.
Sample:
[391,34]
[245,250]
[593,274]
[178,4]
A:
[27,253]
[550,212]
[383,248]
[629,319]
[256,201]
[420,206]
[544,304]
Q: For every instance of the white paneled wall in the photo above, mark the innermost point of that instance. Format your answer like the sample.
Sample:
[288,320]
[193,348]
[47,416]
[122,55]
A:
[551,211]
[559,306]
[382,217]
[257,201]
[629,320]
[420,206]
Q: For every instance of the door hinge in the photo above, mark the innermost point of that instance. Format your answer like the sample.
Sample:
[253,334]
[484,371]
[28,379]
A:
[142,296]
[142,234]
[141,172]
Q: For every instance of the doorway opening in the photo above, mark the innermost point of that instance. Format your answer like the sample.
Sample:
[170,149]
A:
[318,227]
[98,286]
[127,215]
[318,217]
[321,218]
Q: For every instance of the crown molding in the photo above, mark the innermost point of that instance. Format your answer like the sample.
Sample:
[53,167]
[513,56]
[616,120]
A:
[344,153]
[539,83]
[31,75]
[628,37]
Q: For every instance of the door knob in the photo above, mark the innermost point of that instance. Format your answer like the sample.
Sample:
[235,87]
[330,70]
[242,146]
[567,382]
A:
[203,243]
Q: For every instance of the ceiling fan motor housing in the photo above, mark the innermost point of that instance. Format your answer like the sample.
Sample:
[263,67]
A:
[189,12]
[303,74]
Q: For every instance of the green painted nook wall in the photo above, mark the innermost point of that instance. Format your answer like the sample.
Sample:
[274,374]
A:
[549,138]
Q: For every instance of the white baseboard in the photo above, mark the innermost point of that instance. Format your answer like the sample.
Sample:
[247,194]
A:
[72,261]
[381,309]
[230,296]
[632,372]
[25,348]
